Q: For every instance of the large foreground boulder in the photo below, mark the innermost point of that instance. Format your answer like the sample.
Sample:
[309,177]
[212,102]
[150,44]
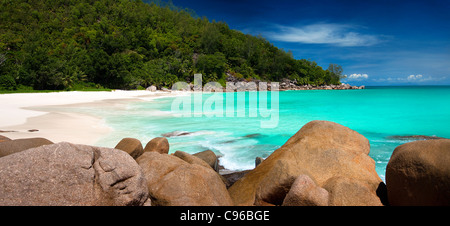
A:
[14,146]
[174,182]
[66,174]
[320,150]
[418,174]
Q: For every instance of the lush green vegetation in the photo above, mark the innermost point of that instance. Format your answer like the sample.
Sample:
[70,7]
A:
[127,44]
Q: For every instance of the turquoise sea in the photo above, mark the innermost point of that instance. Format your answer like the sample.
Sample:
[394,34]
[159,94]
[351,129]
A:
[375,112]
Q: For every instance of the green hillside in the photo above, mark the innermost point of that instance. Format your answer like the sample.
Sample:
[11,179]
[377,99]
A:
[126,44]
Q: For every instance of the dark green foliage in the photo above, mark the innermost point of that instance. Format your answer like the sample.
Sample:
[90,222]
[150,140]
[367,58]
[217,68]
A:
[128,44]
[7,82]
[212,66]
[334,72]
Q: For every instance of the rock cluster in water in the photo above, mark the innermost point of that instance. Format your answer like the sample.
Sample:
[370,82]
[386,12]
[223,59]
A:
[323,164]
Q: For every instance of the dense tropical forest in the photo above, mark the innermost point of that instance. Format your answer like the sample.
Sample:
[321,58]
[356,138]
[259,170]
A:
[132,44]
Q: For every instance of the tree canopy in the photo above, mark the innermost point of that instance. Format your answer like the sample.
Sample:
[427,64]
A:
[129,44]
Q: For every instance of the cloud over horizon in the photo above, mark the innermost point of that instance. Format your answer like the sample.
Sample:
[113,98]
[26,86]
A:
[411,79]
[356,77]
[344,35]
[414,77]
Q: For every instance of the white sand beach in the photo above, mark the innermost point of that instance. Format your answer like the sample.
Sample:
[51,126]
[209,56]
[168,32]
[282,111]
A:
[21,114]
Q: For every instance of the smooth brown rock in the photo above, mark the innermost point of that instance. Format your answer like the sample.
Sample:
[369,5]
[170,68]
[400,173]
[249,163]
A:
[305,192]
[131,146]
[418,174]
[209,157]
[191,159]
[66,174]
[350,192]
[321,150]
[158,144]
[14,146]
[174,182]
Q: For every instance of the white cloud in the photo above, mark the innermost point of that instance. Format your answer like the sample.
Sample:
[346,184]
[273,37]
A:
[334,34]
[410,79]
[357,77]
[421,78]
[415,77]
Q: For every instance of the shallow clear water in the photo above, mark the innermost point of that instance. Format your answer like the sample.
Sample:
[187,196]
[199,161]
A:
[375,112]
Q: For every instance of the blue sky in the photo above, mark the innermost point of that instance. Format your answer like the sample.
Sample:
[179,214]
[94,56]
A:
[377,42]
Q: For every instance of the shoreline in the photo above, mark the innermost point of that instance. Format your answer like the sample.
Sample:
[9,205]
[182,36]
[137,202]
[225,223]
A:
[59,127]
[46,115]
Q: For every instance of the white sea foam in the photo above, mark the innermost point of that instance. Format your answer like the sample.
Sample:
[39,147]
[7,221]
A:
[235,152]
